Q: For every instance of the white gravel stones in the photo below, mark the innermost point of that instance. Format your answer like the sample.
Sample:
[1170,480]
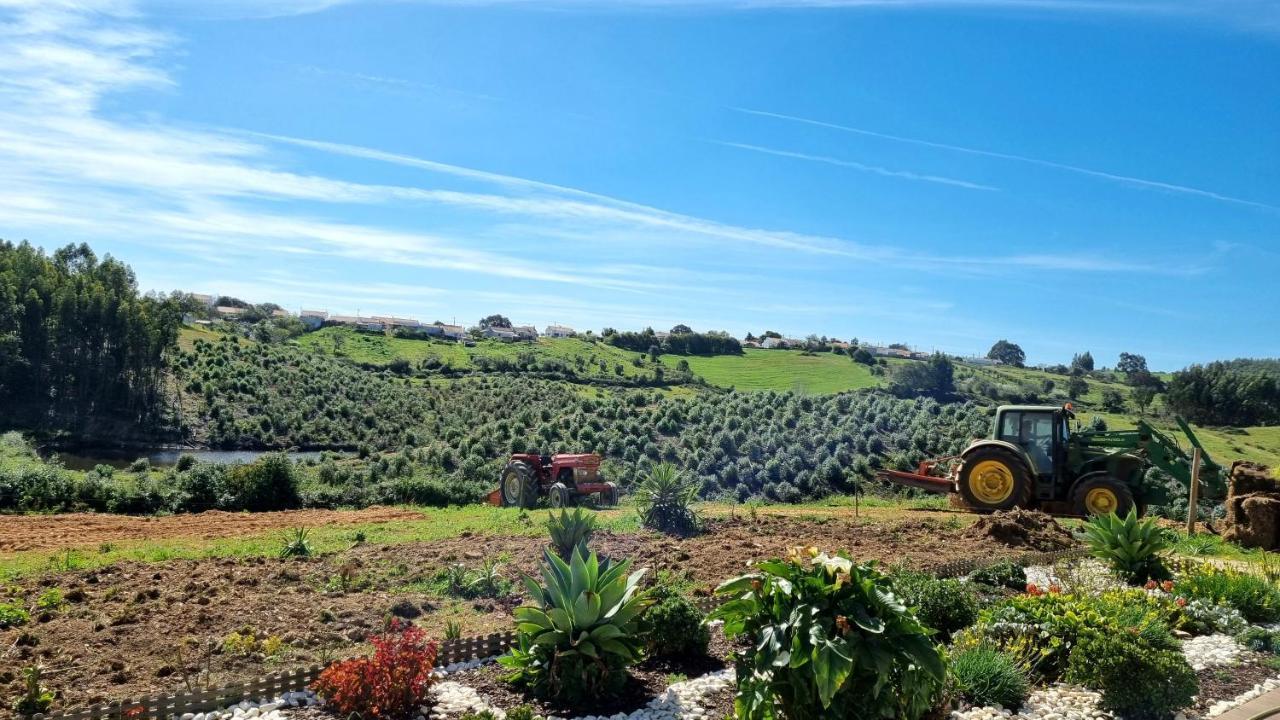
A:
[453,699]
[1059,702]
[1085,575]
[1258,690]
[1209,651]
[263,709]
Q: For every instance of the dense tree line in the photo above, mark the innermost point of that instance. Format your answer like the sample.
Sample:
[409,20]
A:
[77,340]
[684,342]
[1236,392]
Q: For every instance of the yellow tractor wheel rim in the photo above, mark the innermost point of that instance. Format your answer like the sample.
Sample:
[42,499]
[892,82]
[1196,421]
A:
[991,482]
[1101,501]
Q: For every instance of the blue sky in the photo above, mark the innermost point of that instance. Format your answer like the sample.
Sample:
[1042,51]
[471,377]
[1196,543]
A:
[1068,175]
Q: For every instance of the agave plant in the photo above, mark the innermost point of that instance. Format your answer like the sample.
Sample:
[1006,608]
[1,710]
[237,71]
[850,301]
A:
[579,635]
[296,543]
[1131,546]
[665,498]
[570,530]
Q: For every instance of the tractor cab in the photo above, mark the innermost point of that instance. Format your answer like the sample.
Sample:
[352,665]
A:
[1042,434]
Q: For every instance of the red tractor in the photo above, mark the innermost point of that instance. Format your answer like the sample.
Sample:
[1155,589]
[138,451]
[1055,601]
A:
[562,479]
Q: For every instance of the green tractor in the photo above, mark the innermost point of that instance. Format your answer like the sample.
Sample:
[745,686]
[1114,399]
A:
[1039,457]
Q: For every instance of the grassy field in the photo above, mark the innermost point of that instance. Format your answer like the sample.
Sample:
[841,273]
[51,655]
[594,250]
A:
[780,370]
[1259,444]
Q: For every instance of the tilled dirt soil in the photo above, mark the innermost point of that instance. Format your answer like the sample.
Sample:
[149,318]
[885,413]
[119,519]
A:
[120,634]
[79,530]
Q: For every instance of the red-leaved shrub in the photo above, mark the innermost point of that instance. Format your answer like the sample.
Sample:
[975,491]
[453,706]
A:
[390,684]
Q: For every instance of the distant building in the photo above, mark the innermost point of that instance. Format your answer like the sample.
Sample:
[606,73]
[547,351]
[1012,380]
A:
[229,311]
[750,344]
[279,312]
[525,332]
[497,333]
[771,343]
[453,332]
[343,319]
[980,361]
[559,331]
[206,300]
[839,344]
[313,319]
[370,325]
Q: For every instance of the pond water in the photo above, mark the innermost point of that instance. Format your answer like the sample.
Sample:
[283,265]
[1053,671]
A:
[162,457]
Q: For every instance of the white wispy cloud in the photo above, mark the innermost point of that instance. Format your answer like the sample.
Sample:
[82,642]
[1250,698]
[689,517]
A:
[1124,179]
[885,172]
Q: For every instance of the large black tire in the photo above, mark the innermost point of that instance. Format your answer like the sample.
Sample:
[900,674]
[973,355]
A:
[609,498]
[518,476]
[1101,494]
[558,496]
[993,478]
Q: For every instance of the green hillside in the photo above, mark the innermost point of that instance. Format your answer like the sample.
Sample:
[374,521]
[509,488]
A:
[821,374]
[593,358]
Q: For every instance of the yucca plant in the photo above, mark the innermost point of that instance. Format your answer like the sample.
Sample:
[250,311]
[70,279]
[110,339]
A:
[665,498]
[1131,546]
[570,530]
[296,544]
[579,636]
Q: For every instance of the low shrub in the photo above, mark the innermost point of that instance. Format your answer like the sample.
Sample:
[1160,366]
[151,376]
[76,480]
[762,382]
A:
[579,636]
[570,530]
[392,683]
[1136,682]
[820,623]
[1253,596]
[1130,546]
[986,676]
[665,498]
[1004,574]
[35,697]
[521,712]
[672,626]
[296,544]
[51,599]
[268,483]
[1260,640]
[485,581]
[1045,628]
[1203,617]
[13,615]
[945,605]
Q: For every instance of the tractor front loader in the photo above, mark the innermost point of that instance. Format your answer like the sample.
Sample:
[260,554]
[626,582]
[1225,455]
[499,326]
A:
[1033,458]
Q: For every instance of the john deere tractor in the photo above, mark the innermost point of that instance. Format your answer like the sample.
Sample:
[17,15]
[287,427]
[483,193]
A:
[1037,457]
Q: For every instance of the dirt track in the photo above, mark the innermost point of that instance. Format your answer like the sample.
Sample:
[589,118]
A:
[53,532]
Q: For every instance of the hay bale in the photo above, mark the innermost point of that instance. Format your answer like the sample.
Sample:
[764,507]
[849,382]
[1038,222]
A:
[1250,477]
[1253,507]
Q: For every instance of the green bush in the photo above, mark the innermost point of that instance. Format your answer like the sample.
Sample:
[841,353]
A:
[828,639]
[1253,596]
[1045,628]
[521,712]
[1003,574]
[1204,617]
[1260,640]
[986,676]
[665,498]
[570,530]
[945,605]
[268,483]
[1136,682]
[672,626]
[1131,546]
[13,615]
[579,636]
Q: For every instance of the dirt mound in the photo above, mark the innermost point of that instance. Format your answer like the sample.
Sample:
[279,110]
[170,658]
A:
[1019,528]
[1253,506]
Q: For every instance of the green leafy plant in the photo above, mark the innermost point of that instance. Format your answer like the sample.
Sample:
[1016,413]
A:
[828,639]
[945,605]
[569,530]
[452,630]
[1003,574]
[579,636]
[665,499]
[296,544]
[13,615]
[1136,682]
[1204,617]
[672,626]
[1260,639]
[50,600]
[521,712]
[35,698]
[1252,595]
[987,676]
[1131,546]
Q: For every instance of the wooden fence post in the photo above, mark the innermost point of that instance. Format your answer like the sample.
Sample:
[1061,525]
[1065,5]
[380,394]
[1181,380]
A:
[1193,502]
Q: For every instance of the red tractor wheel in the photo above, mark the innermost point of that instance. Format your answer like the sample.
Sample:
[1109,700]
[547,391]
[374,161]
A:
[558,496]
[609,498]
[518,485]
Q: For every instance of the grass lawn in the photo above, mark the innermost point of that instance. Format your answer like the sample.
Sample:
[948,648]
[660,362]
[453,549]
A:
[755,369]
[1259,444]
